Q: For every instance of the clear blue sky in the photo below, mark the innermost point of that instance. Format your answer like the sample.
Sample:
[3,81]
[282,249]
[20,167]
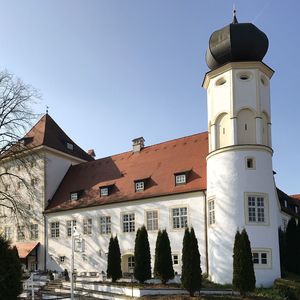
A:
[113,70]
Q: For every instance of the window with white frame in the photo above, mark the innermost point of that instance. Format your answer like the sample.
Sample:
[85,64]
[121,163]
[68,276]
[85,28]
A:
[104,191]
[130,263]
[87,226]
[175,258]
[128,222]
[261,258]
[284,224]
[8,233]
[21,233]
[54,229]
[211,212]
[179,217]
[34,231]
[257,209]
[180,179]
[152,220]
[139,186]
[105,225]
[74,196]
[62,259]
[70,225]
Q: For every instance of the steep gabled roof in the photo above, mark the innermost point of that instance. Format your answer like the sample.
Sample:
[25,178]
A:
[288,203]
[46,132]
[155,164]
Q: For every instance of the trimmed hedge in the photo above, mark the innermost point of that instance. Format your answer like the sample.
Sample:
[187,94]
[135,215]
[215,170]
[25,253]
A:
[288,288]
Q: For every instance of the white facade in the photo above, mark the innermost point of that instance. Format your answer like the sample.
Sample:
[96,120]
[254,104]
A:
[240,184]
[42,170]
[93,257]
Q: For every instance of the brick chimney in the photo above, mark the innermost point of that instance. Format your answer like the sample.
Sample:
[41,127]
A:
[138,144]
[92,153]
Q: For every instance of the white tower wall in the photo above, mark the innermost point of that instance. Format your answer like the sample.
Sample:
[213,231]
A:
[239,170]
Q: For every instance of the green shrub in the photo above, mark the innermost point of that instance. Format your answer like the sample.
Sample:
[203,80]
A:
[287,288]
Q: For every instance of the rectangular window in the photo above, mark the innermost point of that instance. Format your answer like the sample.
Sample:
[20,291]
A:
[21,233]
[70,225]
[34,231]
[104,191]
[130,263]
[105,225]
[257,209]
[8,233]
[54,229]
[211,212]
[139,186]
[180,179]
[175,259]
[179,217]
[152,220]
[87,226]
[70,146]
[128,222]
[284,224]
[250,163]
[261,258]
[20,184]
[74,196]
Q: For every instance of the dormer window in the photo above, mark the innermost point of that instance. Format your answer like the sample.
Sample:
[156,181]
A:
[139,186]
[75,195]
[180,179]
[104,191]
[70,146]
[181,176]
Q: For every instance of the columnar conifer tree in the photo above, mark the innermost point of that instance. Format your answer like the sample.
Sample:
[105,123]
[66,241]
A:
[282,251]
[114,260]
[142,256]
[191,274]
[164,265]
[291,245]
[157,256]
[10,271]
[298,248]
[243,271]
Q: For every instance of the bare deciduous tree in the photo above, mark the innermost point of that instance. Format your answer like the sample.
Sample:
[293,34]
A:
[16,116]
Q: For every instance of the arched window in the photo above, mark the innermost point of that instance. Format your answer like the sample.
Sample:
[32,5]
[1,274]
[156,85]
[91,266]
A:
[246,127]
[223,131]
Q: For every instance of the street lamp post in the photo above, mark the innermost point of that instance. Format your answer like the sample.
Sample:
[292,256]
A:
[74,235]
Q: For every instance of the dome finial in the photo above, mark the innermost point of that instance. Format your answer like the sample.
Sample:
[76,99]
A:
[234,20]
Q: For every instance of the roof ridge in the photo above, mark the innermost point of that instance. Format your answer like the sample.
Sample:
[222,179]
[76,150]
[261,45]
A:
[147,147]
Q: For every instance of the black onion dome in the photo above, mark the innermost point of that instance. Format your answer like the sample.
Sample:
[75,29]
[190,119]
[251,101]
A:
[236,42]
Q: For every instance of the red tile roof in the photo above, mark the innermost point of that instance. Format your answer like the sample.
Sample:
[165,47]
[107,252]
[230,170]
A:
[158,163]
[46,132]
[24,249]
[297,196]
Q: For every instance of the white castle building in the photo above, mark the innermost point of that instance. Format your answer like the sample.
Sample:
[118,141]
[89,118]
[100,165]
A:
[216,181]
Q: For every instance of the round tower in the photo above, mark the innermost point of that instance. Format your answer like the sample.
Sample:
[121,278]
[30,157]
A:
[241,192]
